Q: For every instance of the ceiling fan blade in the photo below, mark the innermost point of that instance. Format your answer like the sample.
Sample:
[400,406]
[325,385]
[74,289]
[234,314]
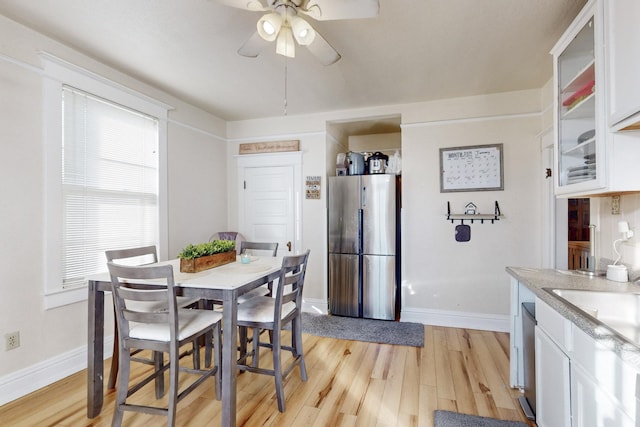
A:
[322,50]
[328,10]
[253,46]
[253,5]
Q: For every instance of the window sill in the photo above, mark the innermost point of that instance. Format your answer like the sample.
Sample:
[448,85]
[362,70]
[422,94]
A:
[61,297]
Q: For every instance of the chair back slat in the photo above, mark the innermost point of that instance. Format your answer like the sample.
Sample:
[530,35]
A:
[132,305]
[291,283]
[133,256]
[259,246]
[146,317]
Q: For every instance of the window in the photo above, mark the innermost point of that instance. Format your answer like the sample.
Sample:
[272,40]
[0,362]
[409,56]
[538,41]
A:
[105,174]
[109,182]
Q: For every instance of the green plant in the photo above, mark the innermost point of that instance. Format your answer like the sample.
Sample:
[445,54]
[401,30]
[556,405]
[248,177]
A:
[192,251]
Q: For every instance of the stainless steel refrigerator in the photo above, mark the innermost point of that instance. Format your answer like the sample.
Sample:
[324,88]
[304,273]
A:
[362,246]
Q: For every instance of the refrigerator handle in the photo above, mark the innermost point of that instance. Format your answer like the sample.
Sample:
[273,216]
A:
[360,230]
[364,196]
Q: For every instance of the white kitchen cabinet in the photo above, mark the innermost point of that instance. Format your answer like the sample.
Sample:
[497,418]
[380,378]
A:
[622,50]
[591,406]
[590,158]
[603,386]
[553,384]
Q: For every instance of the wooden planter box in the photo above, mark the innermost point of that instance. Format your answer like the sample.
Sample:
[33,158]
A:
[206,262]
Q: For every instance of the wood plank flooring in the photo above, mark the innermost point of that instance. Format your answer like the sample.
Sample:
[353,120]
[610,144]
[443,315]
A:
[350,383]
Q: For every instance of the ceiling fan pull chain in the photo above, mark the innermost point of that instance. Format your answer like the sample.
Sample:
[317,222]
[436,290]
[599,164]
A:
[285,85]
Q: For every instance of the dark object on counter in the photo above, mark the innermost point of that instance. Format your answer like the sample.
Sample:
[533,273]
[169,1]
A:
[377,162]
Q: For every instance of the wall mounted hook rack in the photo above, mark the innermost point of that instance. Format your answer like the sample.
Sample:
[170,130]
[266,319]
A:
[474,217]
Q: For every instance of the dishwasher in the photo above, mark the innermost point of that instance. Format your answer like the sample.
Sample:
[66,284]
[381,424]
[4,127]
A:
[528,401]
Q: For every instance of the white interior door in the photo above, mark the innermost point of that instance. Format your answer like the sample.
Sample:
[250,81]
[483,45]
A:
[270,201]
[268,198]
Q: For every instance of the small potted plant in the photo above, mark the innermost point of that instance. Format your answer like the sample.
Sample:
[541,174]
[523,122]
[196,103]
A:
[203,256]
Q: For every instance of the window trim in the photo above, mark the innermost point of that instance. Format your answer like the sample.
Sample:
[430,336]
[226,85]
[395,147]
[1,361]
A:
[58,72]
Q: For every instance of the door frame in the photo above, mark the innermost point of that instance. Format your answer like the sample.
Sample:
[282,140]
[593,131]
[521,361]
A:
[292,159]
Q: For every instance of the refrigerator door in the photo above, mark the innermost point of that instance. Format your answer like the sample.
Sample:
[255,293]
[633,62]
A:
[379,214]
[344,215]
[378,287]
[344,295]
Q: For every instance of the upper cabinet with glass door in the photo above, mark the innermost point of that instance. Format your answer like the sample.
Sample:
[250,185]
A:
[592,159]
[579,134]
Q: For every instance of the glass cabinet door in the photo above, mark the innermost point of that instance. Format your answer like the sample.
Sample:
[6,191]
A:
[576,79]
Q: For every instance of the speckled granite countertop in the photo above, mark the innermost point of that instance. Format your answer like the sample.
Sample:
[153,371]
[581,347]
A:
[539,279]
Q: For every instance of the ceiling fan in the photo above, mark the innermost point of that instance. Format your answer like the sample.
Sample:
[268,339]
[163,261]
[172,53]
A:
[283,24]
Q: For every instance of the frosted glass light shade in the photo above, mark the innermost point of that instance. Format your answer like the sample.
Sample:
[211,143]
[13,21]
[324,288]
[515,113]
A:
[302,31]
[269,26]
[284,44]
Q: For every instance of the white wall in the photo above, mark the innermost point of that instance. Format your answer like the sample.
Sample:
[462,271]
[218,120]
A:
[444,282]
[387,143]
[607,230]
[196,196]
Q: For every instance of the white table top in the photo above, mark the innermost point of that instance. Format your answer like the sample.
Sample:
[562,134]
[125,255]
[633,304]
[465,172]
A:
[227,276]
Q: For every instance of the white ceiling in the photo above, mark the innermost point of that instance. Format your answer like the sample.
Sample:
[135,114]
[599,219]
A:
[415,50]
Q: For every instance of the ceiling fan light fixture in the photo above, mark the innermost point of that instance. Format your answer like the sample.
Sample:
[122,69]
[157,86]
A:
[302,31]
[255,5]
[285,45]
[269,26]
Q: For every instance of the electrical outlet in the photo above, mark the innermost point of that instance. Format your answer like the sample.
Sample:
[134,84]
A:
[11,340]
[615,205]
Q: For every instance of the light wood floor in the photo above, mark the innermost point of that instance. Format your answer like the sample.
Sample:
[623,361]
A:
[350,383]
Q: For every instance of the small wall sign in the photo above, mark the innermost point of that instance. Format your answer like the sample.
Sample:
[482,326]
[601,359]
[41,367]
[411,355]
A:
[269,147]
[313,187]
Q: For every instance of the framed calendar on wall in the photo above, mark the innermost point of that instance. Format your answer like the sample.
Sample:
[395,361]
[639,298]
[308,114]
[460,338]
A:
[472,168]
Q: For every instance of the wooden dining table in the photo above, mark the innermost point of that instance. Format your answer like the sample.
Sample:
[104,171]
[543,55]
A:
[224,283]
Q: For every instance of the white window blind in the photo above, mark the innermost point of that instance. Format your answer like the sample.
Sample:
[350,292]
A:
[109,182]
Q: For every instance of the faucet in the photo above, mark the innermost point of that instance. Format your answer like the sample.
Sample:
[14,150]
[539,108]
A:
[591,261]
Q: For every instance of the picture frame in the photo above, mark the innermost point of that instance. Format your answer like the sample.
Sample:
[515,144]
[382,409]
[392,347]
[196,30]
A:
[471,168]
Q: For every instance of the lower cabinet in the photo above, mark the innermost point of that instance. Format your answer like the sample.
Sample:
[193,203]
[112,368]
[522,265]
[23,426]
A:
[579,381]
[553,388]
[591,405]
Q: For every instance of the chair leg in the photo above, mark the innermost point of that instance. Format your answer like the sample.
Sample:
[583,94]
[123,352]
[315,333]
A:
[196,353]
[243,339]
[296,343]
[113,372]
[123,385]
[174,368]
[208,339]
[217,359]
[256,347]
[158,359]
[277,371]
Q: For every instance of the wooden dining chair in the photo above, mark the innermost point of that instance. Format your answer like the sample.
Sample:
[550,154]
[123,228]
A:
[143,255]
[269,248]
[266,312]
[161,332]
[229,235]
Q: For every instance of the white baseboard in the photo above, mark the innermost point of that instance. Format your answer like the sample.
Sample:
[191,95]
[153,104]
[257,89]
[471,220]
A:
[315,306]
[457,319]
[20,383]
[452,319]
